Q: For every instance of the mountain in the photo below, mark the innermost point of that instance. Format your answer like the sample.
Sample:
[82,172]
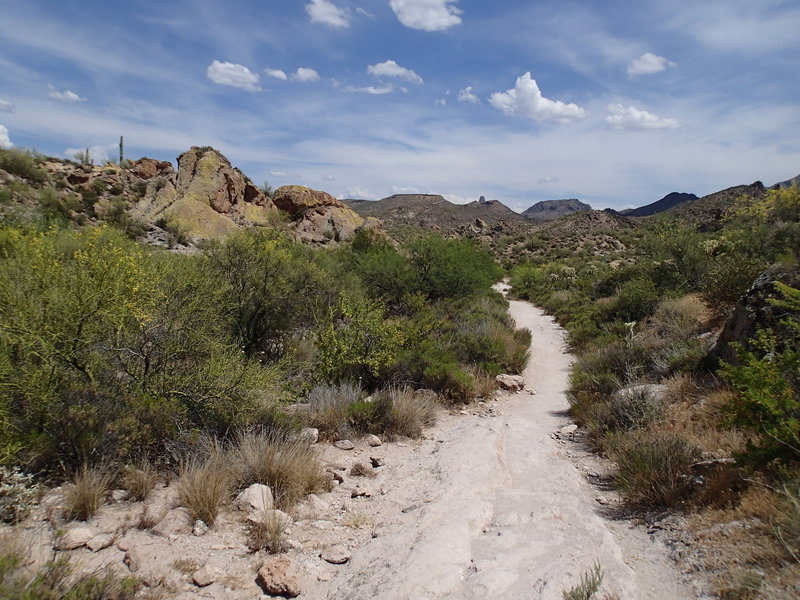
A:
[788,183]
[402,213]
[549,210]
[667,202]
[709,212]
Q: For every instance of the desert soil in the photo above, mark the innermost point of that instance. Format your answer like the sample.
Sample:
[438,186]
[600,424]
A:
[497,500]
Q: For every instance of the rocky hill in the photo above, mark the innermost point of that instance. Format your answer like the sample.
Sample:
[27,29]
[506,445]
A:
[549,210]
[669,201]
[708,213]
[788,183]
[205,199]
[404,214]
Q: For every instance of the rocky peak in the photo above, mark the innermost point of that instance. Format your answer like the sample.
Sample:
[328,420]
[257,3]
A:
[296,199]
[148,168]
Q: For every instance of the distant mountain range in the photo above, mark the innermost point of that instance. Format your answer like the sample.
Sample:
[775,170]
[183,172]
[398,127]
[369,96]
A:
[666,203]
[550,210]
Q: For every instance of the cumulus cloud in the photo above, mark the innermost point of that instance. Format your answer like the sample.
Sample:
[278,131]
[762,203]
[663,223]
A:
[628,117]
[390,68]
[647,64]
[371,89]
[6,106]
[467,96]
[526,100]
[426,15]
[65,96]
[304,74]
[276,73]
[327,13]
[238,76]
[5,140]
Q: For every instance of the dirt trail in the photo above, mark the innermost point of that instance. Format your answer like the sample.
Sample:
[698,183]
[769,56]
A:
[491,505]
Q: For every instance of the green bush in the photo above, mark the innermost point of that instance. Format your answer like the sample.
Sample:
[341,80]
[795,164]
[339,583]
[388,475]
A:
[22,163]
[637,408]
[653,467]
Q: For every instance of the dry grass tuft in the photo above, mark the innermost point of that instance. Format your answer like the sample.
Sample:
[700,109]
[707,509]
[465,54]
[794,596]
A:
[484,385]
[204,486]
[410,413]
[139,481]
[86,492]
[361,470]
[268,536]
[290,467]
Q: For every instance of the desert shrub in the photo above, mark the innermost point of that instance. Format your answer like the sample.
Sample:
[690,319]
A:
[635,300]
[787,525]
[410,413]
[373,416]
[589,585]
[55,580]
[385,272]
[636,408]
[204,485]
[328,406]
[653,467]
[676,318]
[22,163]
[19,494]
[290,467]
[444,375]
[356,342]
[361,470]
[446,268]
[139,480]
[676,357]
[86,492]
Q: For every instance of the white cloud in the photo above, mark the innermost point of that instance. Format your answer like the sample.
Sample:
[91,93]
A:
[98,154]
[65,96]
[548,179]
[276,73]
[467,96]
[357,192]
[238,76]
[328,178]
[371,89]
[6,106]
[5,140]
[390,68]
[427,15]
[327,13]
[440,102]
[274,173]
[647,64]
[628,117]
[304,74]
[525,100]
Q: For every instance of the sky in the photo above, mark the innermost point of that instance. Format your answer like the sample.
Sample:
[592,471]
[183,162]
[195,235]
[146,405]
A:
[614,102]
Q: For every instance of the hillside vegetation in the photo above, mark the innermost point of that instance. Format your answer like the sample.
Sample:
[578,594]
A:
[699,421]
[113,351]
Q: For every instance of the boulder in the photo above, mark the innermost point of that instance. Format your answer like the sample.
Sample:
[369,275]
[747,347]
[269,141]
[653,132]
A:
[75,537]
[326,224]
[262,517]
[373,440]
[511,383]
[256,497]
[100,542]
[297,199]
[205,576]
[344,445]
[335,555]
[279,576]
[176,522]
[309,434]
[148,168]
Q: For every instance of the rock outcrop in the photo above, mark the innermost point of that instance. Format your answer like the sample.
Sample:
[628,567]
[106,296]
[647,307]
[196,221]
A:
[753,311]
[319,217]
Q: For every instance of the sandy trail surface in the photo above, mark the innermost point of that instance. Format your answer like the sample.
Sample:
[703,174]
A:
[492,505]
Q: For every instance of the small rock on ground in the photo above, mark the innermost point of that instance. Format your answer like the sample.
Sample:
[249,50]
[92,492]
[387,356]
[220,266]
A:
[75,537]
[373,440]
[205,576]
[344,445]
[336,555]
[279,577]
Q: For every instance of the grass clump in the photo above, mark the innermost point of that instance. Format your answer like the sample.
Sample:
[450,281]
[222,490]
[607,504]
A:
[629,409]
[86,492]
[653,467]
[267,535]
[411,413]
[290,467]
[140,480]
[589,585]
[204,486]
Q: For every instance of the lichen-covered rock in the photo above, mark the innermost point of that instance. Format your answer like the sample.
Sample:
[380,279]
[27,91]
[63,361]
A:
[148,168]
[297,199]
[322,225]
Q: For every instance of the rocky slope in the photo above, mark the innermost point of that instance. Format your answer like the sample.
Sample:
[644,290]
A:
[708,213]
[550,210]
[206,198]
[669,201]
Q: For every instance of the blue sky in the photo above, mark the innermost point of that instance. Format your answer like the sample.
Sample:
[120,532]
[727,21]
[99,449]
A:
[616,103]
